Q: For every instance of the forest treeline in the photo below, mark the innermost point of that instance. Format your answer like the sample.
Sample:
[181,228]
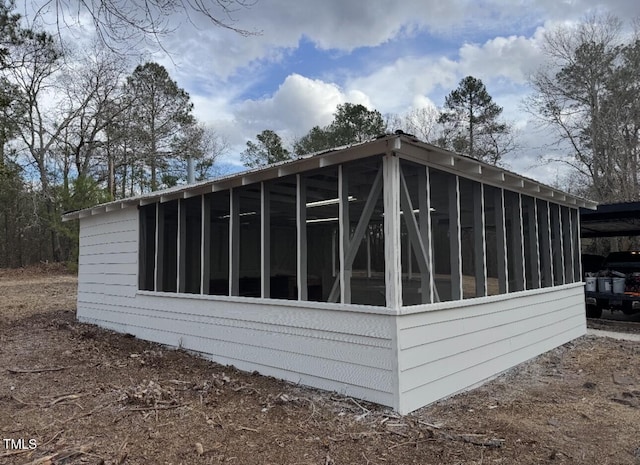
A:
[77,129]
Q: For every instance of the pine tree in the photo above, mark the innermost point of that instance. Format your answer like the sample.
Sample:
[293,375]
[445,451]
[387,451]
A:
[266,151]
[161,114]
[352,123]
[472,125]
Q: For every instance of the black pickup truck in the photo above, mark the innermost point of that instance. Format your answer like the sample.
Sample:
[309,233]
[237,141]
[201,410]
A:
[617,264]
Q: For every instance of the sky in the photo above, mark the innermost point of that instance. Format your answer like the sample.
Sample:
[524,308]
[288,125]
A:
[308,56]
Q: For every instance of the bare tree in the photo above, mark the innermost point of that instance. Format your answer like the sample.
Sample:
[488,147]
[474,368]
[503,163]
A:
[72,135]
[97,76]
[119,23]
[423,123]
[49,124]
[202,144]
[38,129]
[588,95]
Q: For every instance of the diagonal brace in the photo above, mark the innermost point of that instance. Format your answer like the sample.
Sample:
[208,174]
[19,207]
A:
[413,229]
[358,235]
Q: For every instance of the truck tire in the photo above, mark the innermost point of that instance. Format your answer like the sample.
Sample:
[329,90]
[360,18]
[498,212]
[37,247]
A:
[594,311]
[627,308]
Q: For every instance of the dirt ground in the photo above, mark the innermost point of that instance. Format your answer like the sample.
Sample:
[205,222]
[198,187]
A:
[77,394]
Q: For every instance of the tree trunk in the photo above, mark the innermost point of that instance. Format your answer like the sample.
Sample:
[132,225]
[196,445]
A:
[112,176]
[471,129]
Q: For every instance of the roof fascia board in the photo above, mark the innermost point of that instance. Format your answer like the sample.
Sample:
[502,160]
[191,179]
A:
[513,181]
[532,187]
[377,147]
[467,166]
[168,197]
[196,192]
[404,146]
[487,174]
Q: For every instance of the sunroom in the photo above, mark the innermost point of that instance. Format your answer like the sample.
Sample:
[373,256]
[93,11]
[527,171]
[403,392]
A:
[392,270]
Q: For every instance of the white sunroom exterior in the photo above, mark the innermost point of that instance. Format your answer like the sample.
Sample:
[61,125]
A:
[392,270]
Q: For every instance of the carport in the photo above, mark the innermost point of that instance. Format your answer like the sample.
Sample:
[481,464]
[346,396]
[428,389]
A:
[607,221]
[610,220]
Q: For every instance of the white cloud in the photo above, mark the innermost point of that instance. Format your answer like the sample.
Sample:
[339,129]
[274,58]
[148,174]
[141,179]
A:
[397,85]
[408,82]
[299,104]
[514,58]
[349,24]
[218,66]
[342,25]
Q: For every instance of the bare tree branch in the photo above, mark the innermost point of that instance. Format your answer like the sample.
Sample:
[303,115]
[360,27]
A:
[123,24]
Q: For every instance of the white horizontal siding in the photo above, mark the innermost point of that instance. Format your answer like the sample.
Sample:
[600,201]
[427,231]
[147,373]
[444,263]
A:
[108,255]
[111,290]
[108,258]
[101,248]
[404,360]
[109,279]
[335,349]
[114,222]
[268,312]
[445,351]
[289,348]
[234,330]
[126,269]
[350,352]
[103,239]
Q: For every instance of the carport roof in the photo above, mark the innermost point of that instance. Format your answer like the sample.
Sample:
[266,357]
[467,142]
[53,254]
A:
[610,220]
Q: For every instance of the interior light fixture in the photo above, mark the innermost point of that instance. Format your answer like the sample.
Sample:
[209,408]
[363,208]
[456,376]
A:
[224,217]
[415,211]
[322,220]
[321,203]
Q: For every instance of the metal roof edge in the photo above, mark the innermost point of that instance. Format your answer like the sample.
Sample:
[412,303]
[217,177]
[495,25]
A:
[491,174]
[302,163]
[400,143]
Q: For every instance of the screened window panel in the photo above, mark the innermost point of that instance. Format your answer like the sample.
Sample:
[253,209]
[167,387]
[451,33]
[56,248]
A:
[577,271]
[414,233]
[471,242]
[250,243]
[191,242]
[366,274]
[218,266]
[147,247]
[567,244]
[530,235]
[544,243]
[443,228]
[168,246]
[556,244]
[494,241]
[514,241]
[322,234]
[283,237]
